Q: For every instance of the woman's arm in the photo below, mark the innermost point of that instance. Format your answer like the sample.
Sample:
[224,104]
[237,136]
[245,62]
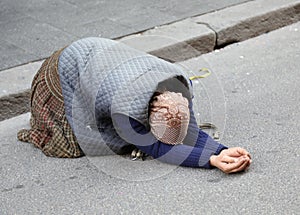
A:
[206,152]
[194,155]
[183,155]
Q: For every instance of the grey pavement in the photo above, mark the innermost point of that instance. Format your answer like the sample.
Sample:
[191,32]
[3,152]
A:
[31,30]
[252,96]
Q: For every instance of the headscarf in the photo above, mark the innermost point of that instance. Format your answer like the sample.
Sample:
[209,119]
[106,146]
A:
[169,117]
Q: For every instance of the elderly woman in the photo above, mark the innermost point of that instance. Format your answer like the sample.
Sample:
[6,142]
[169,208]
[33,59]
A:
[100,97]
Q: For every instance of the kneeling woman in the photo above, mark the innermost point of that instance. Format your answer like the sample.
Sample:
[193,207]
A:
[100,97]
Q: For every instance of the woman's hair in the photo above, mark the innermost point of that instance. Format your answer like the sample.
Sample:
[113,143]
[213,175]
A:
[162,88]
[153,99]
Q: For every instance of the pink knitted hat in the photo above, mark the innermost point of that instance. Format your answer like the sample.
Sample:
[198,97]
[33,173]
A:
[169,117]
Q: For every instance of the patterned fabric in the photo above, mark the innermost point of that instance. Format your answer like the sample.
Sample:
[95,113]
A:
[50,130]
[169,117]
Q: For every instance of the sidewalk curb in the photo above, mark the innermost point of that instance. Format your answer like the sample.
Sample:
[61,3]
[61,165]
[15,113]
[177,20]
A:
[235,24]
[174,42]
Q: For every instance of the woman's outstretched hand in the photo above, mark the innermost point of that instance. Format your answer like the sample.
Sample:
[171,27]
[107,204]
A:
[231,160]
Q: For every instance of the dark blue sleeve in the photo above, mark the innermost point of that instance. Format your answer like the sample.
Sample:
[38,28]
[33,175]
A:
[184,155]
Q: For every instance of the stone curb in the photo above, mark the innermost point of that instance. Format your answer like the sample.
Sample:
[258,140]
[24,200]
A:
[235,24]
[174,42]
[202,34]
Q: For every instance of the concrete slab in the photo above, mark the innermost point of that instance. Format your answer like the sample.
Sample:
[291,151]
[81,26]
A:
[13,55]
[17,80]
[260,88]
[36,41]
[40,27]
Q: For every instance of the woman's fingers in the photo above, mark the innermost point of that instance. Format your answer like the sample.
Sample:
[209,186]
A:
[242,167]
[242,151]
[228,159]
[236,152]
[232,152]
[236,166]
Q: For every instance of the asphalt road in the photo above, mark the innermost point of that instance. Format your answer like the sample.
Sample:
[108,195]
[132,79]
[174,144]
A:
[252,96]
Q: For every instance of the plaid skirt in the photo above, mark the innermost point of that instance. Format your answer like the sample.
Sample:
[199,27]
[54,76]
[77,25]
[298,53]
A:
[50,130]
